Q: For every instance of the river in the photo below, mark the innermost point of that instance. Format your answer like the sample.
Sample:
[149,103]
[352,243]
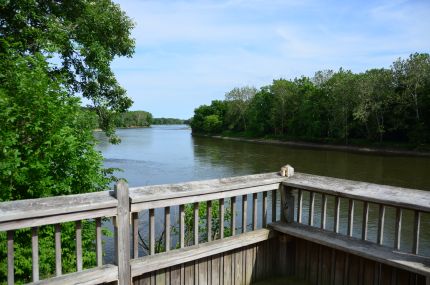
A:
[169,154]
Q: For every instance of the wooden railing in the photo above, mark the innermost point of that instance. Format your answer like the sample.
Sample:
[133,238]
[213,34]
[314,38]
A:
[250,200]
[124,204]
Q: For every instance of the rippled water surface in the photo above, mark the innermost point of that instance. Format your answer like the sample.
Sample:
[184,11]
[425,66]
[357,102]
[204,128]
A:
[169,154]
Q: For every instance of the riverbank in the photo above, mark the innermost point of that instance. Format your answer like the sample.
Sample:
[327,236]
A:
[312,145]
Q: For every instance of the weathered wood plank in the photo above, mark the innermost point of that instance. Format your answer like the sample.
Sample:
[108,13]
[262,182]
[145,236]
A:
[323,211]
[376,193]
[381,220]
[244,213]
[35,252]
[167,227]
[416,233]
[215,269]
[233,216]
[311,208]
[228,273]
[398,228]
[140,206]
[264,210]
[10,259]
[78,229]
[55,219]
[365,220]
[175,275]
[160,277]
[203,271]
[221,218]
[254,211]
[189,273]
[34,208]
[336,214]
[209,219]
[299,205]
[351,207]
[238,267]
[58,266]
[151,231]
[104,274]
[366,249]
[122,230]
[99,244]
[174,257]
[168,191]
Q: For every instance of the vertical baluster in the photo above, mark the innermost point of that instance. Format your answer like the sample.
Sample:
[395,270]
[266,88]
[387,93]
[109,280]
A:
[244,212]
[274,206]
[135,225]
[365,220]
[167,227]
[151,231]
[196,223]
[398,230]
[221,218]
[209,219]
[78,226]
[254,211]
[233,215]
[181,226]
[99,249]
[35,252]
[417,223]
[336,214]
[351,217]
[58,267]
[10,259]
[264,209]
[381,224]
[311,208]
[299,205]
[323,211]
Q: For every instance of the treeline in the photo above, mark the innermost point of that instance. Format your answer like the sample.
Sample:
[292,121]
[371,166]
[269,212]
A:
[169,121]
[387,104]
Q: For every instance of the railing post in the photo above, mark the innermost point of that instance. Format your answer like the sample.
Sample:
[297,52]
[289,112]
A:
[287,198]
[122,233]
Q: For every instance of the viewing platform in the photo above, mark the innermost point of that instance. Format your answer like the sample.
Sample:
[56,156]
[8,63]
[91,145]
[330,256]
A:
[253,228]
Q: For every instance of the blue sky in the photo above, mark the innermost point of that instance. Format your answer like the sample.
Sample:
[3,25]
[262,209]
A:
[191,52]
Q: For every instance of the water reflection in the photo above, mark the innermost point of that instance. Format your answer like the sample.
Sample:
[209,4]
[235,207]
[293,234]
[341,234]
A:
[169,154]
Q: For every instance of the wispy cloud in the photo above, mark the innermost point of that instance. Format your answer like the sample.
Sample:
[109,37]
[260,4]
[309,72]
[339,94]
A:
[191,52]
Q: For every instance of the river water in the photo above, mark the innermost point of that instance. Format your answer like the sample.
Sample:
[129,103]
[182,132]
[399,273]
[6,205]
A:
[169,154]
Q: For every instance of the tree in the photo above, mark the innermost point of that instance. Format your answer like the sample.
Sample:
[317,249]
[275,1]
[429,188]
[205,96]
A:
[239,100]
[47,149]
[83,36]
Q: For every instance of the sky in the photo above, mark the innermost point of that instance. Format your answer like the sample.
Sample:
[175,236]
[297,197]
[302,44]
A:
[191,52]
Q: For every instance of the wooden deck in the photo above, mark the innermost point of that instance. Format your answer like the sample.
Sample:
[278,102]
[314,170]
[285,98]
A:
[260,246]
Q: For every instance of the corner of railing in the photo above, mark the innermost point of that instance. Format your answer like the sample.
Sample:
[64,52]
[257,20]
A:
[287,198]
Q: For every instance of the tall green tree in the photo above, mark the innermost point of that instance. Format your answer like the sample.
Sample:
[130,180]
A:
[83,36]
[238,104]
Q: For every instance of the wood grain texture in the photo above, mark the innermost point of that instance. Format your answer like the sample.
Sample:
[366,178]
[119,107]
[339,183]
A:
[221,218]
[10,259]
[376,193]
[167,227]
[398,228]
[209,219]
[104,274]
[323,211]
[233,216]
[78,230]
[244,213]
[369,250]
[35,253]
[174,257]
[264,209]
[23,209]
[351,209]
[274,205]
[193,188]
[122,230]
[58,266]
[196,223]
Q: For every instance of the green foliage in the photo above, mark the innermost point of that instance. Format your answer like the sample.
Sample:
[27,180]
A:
[84,36]
[132,119]
[377,105]
[47,149]
[168,121]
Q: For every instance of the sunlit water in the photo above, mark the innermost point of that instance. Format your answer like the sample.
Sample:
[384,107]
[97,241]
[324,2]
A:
[169,154]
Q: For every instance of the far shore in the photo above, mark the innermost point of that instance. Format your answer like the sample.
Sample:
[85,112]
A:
[349,148]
